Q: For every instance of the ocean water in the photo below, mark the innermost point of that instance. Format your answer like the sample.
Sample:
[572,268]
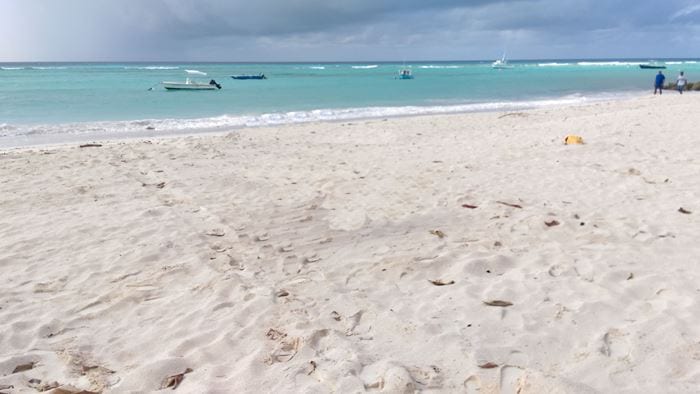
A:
[57,102]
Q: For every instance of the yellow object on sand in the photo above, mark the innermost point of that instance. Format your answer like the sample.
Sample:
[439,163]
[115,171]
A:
[573,140]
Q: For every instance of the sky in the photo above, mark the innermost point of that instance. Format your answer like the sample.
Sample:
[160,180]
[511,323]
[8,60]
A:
[346,30]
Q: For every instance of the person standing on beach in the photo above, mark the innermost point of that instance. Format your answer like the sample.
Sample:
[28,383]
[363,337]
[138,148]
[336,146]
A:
[659,83]
[681,81]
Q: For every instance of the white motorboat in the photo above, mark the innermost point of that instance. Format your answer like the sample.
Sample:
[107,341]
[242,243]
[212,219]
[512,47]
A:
[191,84]
[405,74]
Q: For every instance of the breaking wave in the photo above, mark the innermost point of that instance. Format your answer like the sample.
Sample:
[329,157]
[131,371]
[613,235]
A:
[553,64]
[19,135]
[431,66]
[153,68]
[615,63]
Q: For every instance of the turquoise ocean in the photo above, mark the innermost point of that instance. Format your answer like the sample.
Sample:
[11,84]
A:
[65,102]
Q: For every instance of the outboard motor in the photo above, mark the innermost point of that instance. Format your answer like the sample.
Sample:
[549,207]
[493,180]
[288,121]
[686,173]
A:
[213,82]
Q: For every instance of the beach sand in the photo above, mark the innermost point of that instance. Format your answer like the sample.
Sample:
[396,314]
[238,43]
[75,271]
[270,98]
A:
[454,253]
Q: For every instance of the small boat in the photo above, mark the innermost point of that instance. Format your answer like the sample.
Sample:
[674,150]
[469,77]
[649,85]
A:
[405,74]
[501,63]
[191,85]
[249,76]
[653,66]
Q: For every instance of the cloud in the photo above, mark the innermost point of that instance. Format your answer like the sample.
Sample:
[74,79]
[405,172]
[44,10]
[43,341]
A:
[685,12]
[336,29]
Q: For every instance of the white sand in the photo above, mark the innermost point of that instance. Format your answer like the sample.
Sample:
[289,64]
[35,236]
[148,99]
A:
[299,259]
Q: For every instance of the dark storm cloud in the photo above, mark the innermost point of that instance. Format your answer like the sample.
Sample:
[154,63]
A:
[274,17]
[336,29]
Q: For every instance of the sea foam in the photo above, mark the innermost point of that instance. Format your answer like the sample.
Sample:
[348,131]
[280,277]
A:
[153,68]
[48,68]
[38,134]
[614,63]
[436,67]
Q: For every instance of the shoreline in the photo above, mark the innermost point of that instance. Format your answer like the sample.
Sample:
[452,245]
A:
[9,142]
[461,253]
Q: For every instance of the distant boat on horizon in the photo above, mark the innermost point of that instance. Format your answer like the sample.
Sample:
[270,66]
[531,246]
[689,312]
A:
[501,63]
[653,65]
[249,76]
[405,74]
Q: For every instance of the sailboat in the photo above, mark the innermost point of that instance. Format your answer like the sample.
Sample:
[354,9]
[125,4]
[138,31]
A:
[501,63]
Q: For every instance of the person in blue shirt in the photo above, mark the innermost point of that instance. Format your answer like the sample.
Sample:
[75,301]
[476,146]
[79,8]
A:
[659,82]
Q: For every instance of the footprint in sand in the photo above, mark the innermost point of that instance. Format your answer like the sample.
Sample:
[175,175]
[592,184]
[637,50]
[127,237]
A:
[216,232]
[472,385]
[428,377]
[312,259]
[354,321]
[512,380]
[585,271]
[285,351]
[556,271]
[398,380]
[262,237]
[615,344]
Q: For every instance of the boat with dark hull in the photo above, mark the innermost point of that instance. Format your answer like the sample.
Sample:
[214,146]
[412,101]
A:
[652,66]
[249,76]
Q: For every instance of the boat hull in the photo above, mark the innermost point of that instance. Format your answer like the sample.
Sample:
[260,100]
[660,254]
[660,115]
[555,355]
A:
[188,86]
[501,64]
[649,67]
[405,74]
[244,77]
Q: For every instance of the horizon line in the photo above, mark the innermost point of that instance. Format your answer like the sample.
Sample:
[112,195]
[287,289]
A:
[346,61]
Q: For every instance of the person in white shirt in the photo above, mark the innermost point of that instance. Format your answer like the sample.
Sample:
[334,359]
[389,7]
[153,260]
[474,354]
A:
[681,81]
